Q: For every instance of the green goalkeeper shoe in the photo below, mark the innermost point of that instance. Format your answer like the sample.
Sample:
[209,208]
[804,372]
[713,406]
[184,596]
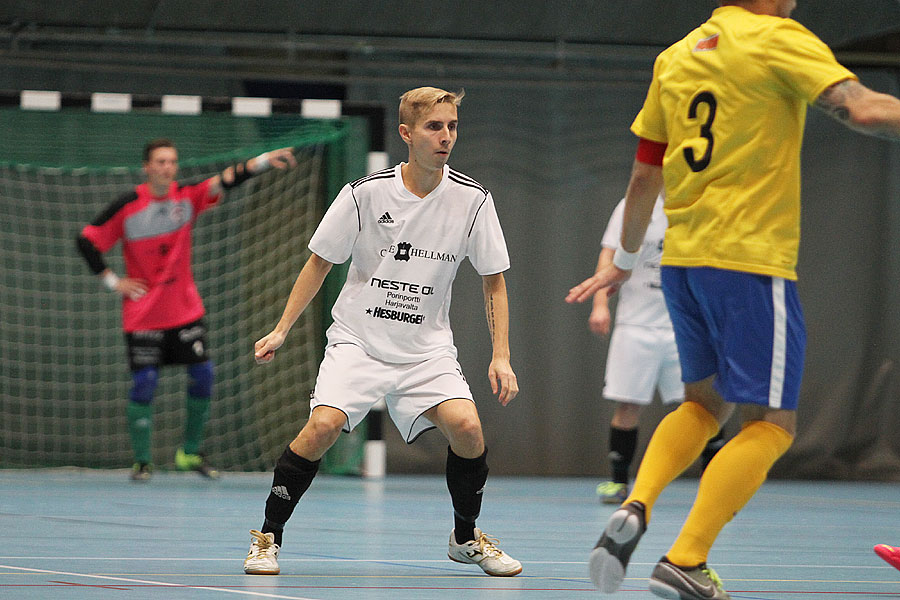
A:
[194,462]
[141,472]
[611,492]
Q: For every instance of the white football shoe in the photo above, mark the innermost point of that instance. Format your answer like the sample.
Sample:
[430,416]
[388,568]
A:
[483,551]
[263,556]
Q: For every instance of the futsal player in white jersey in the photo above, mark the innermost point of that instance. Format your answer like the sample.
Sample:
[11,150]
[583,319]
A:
[406,230]
[642,355]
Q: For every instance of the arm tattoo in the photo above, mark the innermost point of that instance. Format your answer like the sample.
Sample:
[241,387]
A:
[489,308]
[834,99]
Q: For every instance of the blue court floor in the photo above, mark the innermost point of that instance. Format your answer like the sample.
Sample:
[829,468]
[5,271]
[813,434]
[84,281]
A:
[76,534]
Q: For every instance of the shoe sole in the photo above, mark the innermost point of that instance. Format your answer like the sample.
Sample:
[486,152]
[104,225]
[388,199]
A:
[261,570]
[606,570]
[670,592]
[494,574]
[611,500]
[207,474]
[252,572]
[888,555]
[664,591]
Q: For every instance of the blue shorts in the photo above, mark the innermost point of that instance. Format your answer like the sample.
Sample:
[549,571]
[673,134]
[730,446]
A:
[746,329]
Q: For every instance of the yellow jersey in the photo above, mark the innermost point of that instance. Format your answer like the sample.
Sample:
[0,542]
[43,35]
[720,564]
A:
[730,101]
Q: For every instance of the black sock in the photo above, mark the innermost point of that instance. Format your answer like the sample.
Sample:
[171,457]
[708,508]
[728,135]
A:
[293,475]
[276,528]
[622,446]
[712,446]
[465,480]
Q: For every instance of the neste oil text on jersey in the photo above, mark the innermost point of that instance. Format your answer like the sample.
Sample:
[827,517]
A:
[392,284]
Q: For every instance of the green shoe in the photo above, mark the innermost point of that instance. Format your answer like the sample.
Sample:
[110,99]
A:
[141,472]
[611,492]
[194,462]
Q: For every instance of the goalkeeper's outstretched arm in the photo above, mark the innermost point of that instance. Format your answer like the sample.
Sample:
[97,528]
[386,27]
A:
[305,289]
[237,174]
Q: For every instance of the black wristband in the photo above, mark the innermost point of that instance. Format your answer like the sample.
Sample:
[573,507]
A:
[241,174]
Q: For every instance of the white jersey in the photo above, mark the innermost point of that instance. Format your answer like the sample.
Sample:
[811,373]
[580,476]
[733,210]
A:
[641,299]
[405,252]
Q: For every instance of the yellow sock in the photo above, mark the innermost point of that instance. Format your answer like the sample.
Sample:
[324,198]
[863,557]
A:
[677,442]
[728,483]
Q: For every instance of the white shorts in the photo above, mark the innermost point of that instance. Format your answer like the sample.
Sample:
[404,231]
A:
[642,359]
[352,381]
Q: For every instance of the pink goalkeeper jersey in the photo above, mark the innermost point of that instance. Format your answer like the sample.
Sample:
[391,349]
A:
[156,245]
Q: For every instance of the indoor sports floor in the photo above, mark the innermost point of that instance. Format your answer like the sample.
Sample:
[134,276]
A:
[77,534]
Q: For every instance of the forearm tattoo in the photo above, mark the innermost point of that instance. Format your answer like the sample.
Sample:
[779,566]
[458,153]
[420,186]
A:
[489,309]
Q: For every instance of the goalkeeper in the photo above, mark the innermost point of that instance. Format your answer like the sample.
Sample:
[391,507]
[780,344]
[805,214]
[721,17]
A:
[162,313]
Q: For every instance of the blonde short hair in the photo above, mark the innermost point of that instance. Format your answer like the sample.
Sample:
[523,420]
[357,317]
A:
[415,103]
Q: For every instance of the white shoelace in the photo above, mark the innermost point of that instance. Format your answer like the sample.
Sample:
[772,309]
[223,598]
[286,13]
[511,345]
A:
[488,546]
[260,543]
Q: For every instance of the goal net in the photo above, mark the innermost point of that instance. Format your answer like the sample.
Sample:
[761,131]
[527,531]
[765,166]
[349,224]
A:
[64,378]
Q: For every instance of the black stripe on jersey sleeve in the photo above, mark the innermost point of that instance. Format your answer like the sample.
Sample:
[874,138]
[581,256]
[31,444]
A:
[358,218]
[382,174]
[470,184]
[480,206]
[110,211]
[91,255]
[379,172]
[461,178]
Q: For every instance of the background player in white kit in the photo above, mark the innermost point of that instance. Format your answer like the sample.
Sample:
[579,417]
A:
[642,355]
[406,230]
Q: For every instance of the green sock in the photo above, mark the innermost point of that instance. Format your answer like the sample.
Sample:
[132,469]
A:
[197,414]
[140,426]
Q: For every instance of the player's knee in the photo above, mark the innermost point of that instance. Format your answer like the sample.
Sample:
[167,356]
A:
[324,426]
[143,385]
[470,427]
[201,379]
[626,415]
[466,430]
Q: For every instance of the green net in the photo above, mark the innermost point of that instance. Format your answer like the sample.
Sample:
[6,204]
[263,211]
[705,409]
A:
[64,378]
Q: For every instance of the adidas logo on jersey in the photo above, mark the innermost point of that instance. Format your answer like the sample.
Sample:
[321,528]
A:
[386,218]
[281,492]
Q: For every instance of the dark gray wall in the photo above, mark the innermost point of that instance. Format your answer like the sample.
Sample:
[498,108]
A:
[551,142]
[626,22]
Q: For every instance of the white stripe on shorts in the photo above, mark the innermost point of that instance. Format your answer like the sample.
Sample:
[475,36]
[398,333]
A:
[779,343]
